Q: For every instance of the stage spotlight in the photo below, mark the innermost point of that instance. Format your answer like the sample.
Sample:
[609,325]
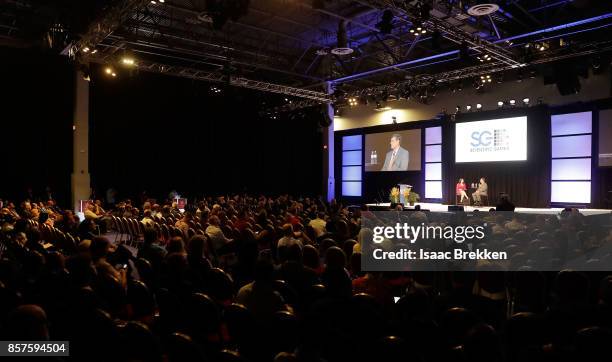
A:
[478,106]
[94,51]
[526,101]
[418,29]
[468,107]
[113,74]
[85,49]
[129,61]
[500,103]
[512,102]
[485,78]
[108,70]
[161,1]
[153,2]
[352,101]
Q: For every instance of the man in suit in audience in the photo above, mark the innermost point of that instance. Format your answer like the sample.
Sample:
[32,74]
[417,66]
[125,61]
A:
[482,190]
[398,158]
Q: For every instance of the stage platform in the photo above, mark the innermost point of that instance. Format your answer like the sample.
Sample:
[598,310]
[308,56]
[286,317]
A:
[525,210]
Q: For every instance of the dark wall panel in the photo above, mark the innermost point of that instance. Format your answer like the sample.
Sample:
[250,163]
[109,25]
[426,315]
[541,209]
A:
[156,134]
[36,133]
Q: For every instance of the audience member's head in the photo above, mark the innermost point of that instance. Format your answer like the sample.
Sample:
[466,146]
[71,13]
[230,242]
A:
[99,248]
[27,322]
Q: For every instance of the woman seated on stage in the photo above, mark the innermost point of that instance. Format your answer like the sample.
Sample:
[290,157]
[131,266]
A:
[460,190]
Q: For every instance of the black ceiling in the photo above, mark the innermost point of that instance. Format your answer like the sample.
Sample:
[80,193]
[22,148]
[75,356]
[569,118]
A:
[289,41]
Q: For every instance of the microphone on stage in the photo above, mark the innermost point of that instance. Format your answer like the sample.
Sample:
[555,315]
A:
[380,198]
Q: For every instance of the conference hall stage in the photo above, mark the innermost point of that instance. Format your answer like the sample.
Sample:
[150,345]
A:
[438,207]
[544,159]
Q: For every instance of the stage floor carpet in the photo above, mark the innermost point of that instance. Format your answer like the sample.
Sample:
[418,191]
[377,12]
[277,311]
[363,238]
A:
[526,210]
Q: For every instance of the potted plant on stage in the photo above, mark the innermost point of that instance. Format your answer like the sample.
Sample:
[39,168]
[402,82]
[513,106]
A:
[412,197]
[394,197]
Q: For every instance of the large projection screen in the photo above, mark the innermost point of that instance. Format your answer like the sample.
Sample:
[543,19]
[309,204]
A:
[393,151]
[494,140]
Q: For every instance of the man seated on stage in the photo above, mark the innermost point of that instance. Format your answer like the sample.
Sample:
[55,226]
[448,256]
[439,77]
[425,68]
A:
[480,191]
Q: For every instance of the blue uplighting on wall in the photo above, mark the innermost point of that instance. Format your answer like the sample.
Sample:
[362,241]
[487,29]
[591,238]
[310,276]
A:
[352,165]
[571,158]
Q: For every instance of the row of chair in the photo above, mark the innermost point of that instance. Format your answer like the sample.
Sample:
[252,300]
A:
[52,235]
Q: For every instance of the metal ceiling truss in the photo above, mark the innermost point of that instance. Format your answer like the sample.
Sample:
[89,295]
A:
[104,26]
[473,72]
[297,44]
[221,77]
[448,31]
[491,68]
[114,17]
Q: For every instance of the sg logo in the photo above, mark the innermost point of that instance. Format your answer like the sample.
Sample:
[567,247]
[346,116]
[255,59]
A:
[481,138]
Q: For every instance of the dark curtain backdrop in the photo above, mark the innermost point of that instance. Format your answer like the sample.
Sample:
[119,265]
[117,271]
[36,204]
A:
[156,134]
[602,188]
[527,182]
[36,136]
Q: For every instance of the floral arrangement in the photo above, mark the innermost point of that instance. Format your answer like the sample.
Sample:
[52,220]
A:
[394,196]
[412,197]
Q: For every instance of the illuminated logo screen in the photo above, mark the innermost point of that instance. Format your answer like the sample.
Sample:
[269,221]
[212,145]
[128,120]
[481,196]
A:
[493,140]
